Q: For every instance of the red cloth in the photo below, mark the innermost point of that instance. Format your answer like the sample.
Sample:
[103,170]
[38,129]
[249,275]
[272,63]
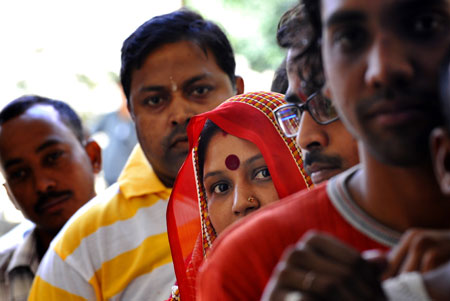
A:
[243,257]
[247,116]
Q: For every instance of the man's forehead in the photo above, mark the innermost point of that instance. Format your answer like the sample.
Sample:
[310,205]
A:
[40,118]
[329,8]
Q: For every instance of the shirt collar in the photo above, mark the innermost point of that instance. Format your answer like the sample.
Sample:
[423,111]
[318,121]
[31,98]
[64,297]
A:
[138,177]
[26,254]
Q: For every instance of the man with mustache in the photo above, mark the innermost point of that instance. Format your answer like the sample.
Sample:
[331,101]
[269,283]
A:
[49,167]
[327,147]
[174,66]
[381,61]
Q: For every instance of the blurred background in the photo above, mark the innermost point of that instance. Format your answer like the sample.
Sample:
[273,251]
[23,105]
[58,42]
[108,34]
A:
[70,50]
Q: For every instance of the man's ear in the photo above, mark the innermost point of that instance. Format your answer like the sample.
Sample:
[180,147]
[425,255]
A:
[94,152]
[327,92]
[239,81]
[440,152]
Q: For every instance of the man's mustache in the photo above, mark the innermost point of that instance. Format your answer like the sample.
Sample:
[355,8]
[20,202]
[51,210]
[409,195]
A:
[318,157]
[47,197]
[414,96]
[178,130]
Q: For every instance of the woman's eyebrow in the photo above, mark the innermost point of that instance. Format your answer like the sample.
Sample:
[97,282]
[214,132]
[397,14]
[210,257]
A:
[253,159]
[211,174]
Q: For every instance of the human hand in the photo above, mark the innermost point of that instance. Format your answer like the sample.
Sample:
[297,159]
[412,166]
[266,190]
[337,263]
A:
[320,267]
[437,282]
[419,250]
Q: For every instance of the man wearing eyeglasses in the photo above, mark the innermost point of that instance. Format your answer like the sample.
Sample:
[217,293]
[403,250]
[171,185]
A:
[327,147]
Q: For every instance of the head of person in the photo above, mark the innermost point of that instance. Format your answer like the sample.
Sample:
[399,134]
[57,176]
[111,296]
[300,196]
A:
[440,136]
[234,174]
[48,164]
[239,162]
[327,147]
[174,66]
[381,62]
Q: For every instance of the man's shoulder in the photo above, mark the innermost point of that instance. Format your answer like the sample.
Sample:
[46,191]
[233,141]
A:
[12,241]
[5,258]
[16,235]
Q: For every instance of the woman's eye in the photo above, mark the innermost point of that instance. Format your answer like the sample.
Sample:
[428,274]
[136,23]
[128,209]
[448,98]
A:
[220,188]
[262,174]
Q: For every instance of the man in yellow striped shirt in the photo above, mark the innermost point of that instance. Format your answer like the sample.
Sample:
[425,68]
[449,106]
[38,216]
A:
[174,66]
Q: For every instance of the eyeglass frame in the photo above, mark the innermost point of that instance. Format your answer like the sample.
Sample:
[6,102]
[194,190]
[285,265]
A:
[304,106]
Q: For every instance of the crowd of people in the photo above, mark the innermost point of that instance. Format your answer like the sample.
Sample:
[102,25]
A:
[348,155]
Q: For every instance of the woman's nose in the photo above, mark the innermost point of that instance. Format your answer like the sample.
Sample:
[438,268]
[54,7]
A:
[244,204]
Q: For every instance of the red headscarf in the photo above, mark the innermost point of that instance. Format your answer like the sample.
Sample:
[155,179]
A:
[247,116]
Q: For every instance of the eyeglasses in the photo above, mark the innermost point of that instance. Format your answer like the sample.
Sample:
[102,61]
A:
[319,107]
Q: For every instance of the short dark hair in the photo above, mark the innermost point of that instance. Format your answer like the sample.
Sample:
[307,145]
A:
[280,82]
[68,116]
[297,29]
[180,25]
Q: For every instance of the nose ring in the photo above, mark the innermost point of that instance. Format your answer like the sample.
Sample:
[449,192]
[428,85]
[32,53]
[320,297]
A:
[251,199]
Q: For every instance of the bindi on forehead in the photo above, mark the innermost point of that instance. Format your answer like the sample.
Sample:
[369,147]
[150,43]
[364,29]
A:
[232,162]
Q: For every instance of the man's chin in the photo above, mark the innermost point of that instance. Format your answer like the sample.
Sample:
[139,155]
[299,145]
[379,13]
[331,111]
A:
[405,150]
[175,159]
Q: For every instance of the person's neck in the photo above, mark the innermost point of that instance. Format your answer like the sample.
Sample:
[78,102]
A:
[43,239]
[400,198]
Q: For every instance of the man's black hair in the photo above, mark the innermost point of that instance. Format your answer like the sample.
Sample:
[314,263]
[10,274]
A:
[180,25]
[18,106]
[298,29]
[280,82]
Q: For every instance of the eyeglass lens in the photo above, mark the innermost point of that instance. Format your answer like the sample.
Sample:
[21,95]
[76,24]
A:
[289,120]
[320,108]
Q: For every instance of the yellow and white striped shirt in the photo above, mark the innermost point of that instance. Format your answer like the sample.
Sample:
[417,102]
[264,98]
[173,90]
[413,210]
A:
[115,247]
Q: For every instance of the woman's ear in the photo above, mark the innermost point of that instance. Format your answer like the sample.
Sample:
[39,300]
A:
[239,84]
[440,152]
[94,152]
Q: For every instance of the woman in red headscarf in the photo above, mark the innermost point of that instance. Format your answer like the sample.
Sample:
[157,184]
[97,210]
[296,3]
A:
[228,175]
